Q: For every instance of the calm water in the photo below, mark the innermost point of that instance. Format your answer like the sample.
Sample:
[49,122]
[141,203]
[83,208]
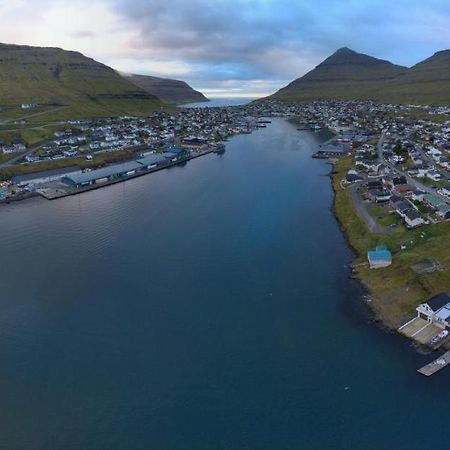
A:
[201,307]
[232,101]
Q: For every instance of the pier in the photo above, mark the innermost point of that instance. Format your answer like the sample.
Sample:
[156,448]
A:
[435,365]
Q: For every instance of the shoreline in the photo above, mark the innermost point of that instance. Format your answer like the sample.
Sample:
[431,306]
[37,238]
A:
[68,191]
[393,293]
[368,297]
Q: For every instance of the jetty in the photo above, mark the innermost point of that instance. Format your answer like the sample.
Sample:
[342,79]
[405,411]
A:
[436,365]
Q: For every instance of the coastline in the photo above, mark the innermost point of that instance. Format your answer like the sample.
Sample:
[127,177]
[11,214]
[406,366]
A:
[392,293]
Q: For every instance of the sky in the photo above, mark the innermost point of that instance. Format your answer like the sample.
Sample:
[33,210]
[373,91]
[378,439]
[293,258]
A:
[229,47]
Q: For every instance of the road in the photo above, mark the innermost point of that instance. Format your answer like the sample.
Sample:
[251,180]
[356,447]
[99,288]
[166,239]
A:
[411,181]
[362,212]
[12,161]
[58,108]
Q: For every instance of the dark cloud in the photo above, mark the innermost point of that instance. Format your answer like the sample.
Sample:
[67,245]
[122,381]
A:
[279,40]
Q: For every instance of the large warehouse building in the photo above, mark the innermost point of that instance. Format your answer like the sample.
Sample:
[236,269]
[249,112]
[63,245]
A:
[114,172]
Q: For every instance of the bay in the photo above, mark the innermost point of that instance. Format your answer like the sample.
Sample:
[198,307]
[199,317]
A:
[207,306]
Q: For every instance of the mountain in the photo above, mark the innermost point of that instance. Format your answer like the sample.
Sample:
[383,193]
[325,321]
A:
[52,76]
[346,74]
[428,82]
[171,91]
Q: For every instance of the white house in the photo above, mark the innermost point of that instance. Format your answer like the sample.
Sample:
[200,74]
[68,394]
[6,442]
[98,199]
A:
[434,175]
[413,218]
[436,310]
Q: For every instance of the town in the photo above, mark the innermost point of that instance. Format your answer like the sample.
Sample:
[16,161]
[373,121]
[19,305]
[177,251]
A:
[121,147]
[392,174]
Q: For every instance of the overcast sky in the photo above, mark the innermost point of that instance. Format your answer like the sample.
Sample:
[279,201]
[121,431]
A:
[229,47]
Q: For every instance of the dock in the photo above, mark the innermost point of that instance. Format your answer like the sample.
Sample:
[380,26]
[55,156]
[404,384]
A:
[436,365]
[422,331]
[57,189]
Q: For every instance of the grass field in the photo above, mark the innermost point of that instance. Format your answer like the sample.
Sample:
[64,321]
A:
[397,289]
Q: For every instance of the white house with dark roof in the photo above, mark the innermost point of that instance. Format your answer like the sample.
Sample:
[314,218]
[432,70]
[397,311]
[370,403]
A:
[436,310]
[413,218]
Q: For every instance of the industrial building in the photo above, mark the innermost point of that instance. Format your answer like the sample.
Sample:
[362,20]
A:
[117,171]
[175,152]
[102,175]
[152,161]
[45,176]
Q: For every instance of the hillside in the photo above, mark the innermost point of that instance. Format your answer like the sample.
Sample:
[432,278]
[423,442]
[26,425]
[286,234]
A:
[171,91]
[52,76]
[349,75]
[344,75]
[428,82]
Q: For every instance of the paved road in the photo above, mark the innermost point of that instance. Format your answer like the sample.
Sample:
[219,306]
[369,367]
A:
[362,212]
[412,181]
[58,108]
[12,161]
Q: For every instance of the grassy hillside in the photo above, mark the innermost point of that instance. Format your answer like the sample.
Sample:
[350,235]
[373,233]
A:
[397,289]
[426,82]
[344,75]
[52,76]
[171,91]
[348,75]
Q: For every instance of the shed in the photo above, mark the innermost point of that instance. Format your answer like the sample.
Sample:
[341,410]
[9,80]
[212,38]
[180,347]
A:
[380,257]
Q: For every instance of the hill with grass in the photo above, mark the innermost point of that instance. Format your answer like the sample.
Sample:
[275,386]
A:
[171,91]
[428,82]
[52,76]
[348,75]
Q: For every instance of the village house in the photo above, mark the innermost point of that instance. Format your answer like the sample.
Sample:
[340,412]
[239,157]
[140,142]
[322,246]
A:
[379,195]
[413,218]
[436,310]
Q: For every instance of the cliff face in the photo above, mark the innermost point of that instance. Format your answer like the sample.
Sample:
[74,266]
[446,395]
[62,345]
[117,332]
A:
[171,91]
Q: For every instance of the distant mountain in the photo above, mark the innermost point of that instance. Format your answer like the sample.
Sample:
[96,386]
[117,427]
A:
[171,91]
[52,76]
[346,74]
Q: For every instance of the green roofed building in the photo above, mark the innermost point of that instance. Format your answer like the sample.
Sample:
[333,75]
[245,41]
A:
[103,175]
[114,172]
[152,161]
[380,257]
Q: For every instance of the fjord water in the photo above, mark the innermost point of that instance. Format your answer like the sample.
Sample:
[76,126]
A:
[220,101]
[207,306]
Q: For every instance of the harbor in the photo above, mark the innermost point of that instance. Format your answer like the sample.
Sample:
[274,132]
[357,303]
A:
[96,179]
[170,324]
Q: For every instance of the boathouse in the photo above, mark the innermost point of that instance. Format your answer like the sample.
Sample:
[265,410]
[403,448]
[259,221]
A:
[436,310]
[380,257]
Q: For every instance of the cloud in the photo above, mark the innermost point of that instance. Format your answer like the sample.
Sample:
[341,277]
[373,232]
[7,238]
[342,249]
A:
[88,34]
[280,40]
[251,45]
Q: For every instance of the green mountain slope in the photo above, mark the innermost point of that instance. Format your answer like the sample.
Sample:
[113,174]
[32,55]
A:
[348,75]
[52,76]
[428,82]
[344,75]
[171,91]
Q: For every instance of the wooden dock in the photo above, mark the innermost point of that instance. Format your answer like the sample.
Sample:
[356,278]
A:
[436,365]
